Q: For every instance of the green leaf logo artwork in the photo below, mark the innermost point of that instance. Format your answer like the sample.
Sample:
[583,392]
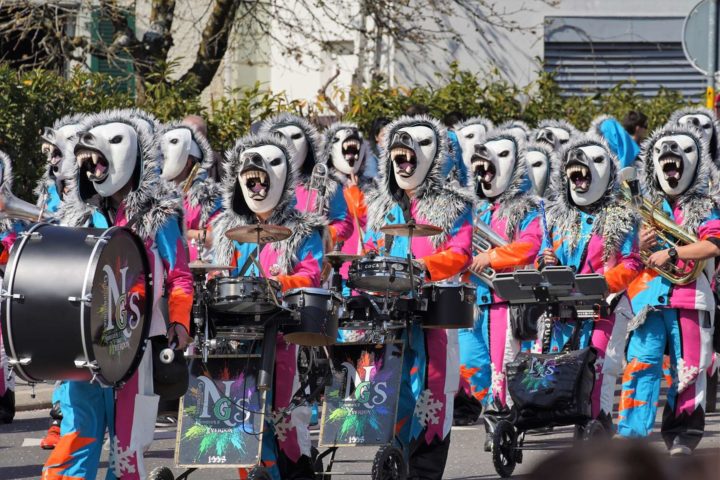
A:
[222,415]
[540,375]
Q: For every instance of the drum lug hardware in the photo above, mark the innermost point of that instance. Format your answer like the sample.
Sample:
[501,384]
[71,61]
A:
[13,296]
[32,236]
[462,295]
[87,299]
[20,361]
[434,294]
[93,239]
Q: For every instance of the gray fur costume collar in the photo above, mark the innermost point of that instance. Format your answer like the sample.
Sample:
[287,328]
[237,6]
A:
[6,224]
[439,202]
[517,200]
[203,191]
[314,139]
[714,144]
[613,218]
[45,182]
[149,204]
[698,201]
[235,212]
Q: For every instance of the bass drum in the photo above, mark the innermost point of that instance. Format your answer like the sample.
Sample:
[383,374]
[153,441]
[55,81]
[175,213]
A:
[75,304]
[449,305]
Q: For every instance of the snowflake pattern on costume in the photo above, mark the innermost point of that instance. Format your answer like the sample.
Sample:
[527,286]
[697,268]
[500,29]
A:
[599,363]
[281,423]
[427,409]
[686,375]
[498,377]
[120,459]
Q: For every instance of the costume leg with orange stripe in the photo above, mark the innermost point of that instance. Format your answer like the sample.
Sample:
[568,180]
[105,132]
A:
[475,374]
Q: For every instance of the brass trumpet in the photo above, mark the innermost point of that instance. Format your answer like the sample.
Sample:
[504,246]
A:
[191,177]
[14,208]
[668,232]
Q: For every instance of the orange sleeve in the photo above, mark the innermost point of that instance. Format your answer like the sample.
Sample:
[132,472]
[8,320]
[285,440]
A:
[333,235]
[180,307]
[619,277]
[288,282]
[355,200]
[445,264]
[515,254]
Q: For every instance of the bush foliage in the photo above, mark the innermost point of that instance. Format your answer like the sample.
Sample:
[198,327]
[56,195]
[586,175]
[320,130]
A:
[30,100]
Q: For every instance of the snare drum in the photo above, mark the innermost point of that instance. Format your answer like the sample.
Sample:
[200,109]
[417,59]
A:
[448,305]
[243,295]
[385,274]
[75,304]
[319,310]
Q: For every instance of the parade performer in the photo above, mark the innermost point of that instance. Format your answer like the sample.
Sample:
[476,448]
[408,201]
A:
[617,138]
[412,187]
[58,144]
[555,133]
[9,230]
[592,230]
[116,183]
[259,187]
[187,157]
[675,169]
[704,120]
[342,153]
[540,159]
[505,204]
[307,146]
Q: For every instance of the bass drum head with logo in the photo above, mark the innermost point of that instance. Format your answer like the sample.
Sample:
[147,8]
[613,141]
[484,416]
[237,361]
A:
[78,304]
[119,301]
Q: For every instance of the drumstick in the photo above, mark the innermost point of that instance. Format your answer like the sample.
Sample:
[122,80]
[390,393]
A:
[546,230]
[267,280]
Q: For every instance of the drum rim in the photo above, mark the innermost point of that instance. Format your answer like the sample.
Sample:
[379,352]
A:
[313,290]
[262,280]
[15,252]
[386,258]
[443,284]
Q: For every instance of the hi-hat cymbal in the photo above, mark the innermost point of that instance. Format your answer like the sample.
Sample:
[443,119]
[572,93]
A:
[208,267]
[338,258]
[267,233]
[414,229]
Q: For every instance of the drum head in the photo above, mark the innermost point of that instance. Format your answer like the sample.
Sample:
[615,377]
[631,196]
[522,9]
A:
[121,305]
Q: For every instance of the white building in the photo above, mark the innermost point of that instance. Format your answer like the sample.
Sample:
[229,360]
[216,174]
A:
[590,44]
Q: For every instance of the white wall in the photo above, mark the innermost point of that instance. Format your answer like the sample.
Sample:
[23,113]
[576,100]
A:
[516,53]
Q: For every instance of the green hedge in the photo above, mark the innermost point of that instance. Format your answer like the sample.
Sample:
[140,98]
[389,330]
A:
[33,99]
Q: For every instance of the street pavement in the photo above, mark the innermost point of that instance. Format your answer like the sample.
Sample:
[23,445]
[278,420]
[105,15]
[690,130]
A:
[22,458]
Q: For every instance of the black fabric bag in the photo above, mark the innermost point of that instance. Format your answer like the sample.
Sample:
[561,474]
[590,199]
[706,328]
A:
[170,380]
[552,389]
[524,318]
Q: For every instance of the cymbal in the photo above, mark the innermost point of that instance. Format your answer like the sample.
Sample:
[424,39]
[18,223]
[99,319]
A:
[249,233]
[208,267]
[417,229]
[338,258]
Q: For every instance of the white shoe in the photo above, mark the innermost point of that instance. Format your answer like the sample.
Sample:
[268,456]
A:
[678,450]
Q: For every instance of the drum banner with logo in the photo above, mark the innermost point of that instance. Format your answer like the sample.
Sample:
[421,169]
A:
[361,403]
[221,415]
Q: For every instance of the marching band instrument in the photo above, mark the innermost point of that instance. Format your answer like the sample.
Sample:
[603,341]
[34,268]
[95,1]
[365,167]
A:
[318,183]
[258,233]
[202,267]
[191,177]
[381,274]
[449,305]
[14,208]
[336,259]
[97,285]
[484,238]
[411,229]
[669,233]
[318,310]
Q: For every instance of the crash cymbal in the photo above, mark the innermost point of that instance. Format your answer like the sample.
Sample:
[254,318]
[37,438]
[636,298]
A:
[338,258]
[414,229]
[260,233]
[208,267]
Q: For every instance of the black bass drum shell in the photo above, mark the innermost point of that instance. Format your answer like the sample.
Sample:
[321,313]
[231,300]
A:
[75,298]
[449,305]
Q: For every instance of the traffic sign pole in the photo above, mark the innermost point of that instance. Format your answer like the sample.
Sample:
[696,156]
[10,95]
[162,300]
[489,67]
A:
[712,52]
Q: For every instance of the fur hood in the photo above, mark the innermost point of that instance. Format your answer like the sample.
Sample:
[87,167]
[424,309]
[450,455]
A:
[439,202]
[315,145]
[45,182]
[284,214]
[558,123]
[713,145]
[149,204]
[552,161]
[516,124]
[6,182]
[613,218]
[477,120]
[698,201]
[597,121]
[203,191]
[518,199]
